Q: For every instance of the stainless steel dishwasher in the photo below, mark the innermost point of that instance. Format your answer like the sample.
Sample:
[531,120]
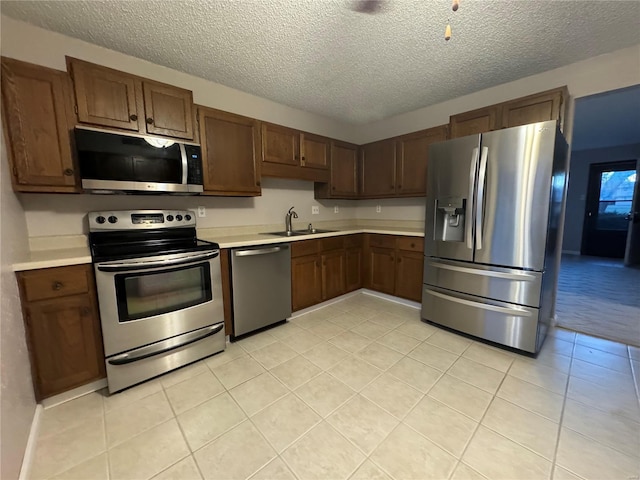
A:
[261,281]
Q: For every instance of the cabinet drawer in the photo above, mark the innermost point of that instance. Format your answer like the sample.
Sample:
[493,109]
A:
[353,241]
[55,282]
[332,243]
[383,241]
[304,247]
[412,244]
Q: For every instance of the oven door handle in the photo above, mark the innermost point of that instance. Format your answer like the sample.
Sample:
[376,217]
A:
[165,346]
[128,265]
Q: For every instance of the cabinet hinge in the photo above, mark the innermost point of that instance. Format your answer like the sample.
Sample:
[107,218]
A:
[75,108]
[15,171]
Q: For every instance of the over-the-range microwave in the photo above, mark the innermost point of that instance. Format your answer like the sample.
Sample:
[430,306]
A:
[127,163]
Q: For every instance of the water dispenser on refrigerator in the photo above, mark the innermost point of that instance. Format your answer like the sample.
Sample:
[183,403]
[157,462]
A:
[449,219]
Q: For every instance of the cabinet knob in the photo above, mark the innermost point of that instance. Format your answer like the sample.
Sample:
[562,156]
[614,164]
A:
[399,260]
[413,245]
[149,120]
[57,285]
[333,187]
[258,184]
[85,311]
[133,117]
[68,172]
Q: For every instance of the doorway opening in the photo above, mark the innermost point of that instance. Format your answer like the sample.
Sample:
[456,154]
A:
[598,291]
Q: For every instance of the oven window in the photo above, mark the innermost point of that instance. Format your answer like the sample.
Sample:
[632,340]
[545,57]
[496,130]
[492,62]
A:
[142,295]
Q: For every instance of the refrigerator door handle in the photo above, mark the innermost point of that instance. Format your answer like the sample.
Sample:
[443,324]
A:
[480,203]
[519,312]
[472,192]
[524,277]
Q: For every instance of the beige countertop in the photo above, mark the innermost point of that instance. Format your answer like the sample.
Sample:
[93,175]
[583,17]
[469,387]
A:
[77,255]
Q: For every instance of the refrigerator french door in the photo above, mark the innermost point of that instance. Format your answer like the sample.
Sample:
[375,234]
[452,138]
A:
[493,207]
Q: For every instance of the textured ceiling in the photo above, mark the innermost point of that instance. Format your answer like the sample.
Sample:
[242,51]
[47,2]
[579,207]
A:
[323,57]
[607,119]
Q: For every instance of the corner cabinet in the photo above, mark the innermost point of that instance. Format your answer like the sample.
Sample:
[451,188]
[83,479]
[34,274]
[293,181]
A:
[63,328]
[378,169]
[37,113]
[343,182]
[231,148]
[412,157]
[115,99]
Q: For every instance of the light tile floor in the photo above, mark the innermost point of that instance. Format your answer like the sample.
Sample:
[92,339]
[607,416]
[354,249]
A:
[362,389]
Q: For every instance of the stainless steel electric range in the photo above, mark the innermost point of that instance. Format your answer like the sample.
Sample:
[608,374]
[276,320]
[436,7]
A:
[159,291]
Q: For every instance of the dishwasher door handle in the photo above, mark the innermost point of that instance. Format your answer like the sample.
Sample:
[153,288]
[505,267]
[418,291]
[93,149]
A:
[257,251]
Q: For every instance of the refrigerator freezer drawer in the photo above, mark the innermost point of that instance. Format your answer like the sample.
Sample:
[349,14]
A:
[502,284]
[504,323]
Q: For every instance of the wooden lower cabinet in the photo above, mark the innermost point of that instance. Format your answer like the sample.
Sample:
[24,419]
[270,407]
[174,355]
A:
[353,267]
[333,274]
[409,269]
[381,276]
[306,287]
[63,328]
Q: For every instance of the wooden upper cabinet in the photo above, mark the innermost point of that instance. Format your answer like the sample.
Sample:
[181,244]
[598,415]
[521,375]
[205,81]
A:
[115,99]
[280,145]
[378,168]
[314,151]
[412,157]
[534,108]
[168,110]
[37,116]
[482,120]
[343,181]
[105,96]
[230,153]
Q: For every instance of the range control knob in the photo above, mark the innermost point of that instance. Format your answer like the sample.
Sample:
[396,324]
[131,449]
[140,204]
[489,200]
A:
[100,219]
[178,217]
[113,219]
[187,217]
[169,218]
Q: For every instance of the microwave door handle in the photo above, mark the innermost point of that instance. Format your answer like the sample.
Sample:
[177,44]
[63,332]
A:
[482,178]
[165,346]
[185,163]
[129,265]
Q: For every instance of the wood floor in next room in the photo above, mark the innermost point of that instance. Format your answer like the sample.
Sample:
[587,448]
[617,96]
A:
[362,389]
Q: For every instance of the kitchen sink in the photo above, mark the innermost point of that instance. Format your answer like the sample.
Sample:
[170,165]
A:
[296,233]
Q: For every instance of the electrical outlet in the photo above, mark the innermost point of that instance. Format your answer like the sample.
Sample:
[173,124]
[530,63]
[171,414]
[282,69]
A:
[315,210]
[378,208]
[336,209]
[202,212]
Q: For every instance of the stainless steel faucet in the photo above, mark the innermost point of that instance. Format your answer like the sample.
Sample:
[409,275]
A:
[287,219]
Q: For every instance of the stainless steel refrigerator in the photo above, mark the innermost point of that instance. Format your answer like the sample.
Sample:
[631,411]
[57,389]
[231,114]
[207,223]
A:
[494,206]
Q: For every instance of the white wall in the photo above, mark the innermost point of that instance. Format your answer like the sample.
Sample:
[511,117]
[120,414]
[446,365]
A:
[17,403]
[614,70]
[578,185]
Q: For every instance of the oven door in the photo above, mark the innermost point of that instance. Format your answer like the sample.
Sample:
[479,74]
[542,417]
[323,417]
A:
[143,301]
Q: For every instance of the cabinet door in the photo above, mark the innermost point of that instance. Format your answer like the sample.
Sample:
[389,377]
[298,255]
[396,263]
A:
[353,260]
[37,117]
[378,168]
[305,282]
[314,151]
[104,96]
[344,168]
[280,145]
[477,121]
[412,158]
[230,153]
[168,110]
[333,274]
[534,108]
[66,343]
[409,268]
[381,269]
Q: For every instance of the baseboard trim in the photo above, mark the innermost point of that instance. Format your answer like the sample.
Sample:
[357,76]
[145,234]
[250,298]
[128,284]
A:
[30,451]
[326,303]
[75,393]
[391,298]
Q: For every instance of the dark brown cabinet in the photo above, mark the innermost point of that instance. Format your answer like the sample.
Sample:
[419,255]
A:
[343,182]
[289,153]
[534,108]
[412,157]
[306,287]
[231,153]
[482,120]
[333,274]
[37,115]
[115,99]
[378,169]
[63,328]
[353,262]
[394,265]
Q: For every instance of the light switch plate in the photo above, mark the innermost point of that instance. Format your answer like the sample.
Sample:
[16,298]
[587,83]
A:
[202,212]
[378,208]
[336,209]
[315,210]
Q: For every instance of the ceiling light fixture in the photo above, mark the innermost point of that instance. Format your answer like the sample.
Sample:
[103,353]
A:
[447,31]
